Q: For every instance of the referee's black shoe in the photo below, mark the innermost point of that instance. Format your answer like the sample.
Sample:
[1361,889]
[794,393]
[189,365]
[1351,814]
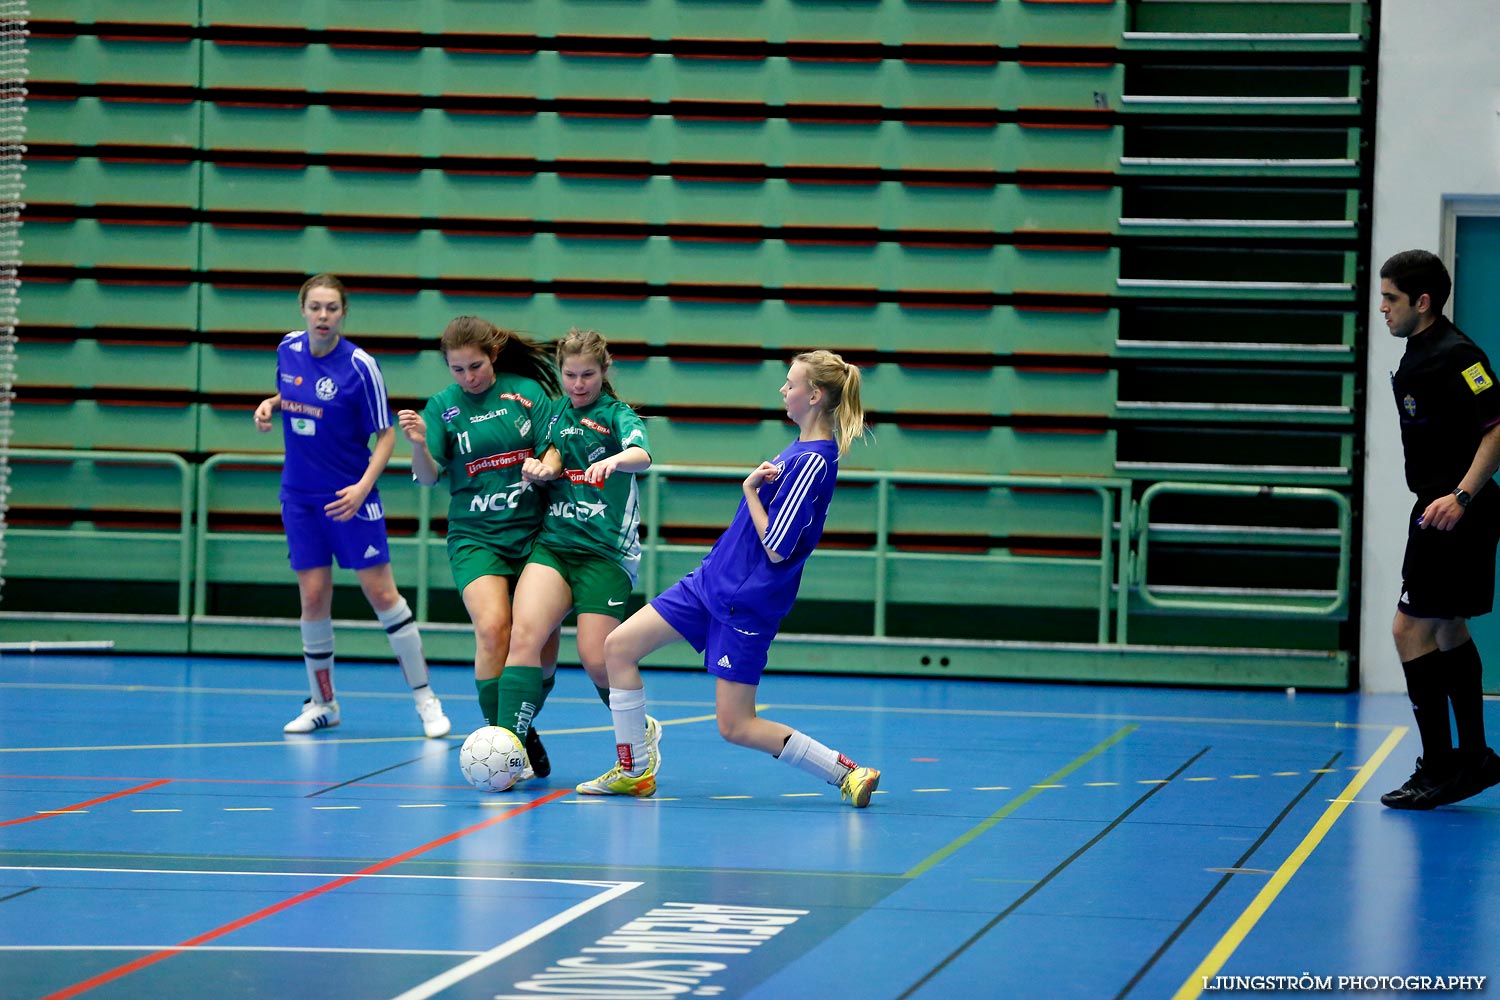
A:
[536,754]
[1430,786]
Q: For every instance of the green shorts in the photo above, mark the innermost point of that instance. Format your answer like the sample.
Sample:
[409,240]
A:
[600,586]
[470,560]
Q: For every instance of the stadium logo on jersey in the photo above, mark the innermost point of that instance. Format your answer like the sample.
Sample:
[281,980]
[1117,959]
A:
[306,409]
[304,426]
[580,511]
[518,398]
[1478,379]
[1409,405]
[594,426]
[487,416]
[508,499]
[501,461]
[326,388]
[568,431]
[449,414]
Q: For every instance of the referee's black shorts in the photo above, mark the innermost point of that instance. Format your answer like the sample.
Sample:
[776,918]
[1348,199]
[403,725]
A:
[1451,574]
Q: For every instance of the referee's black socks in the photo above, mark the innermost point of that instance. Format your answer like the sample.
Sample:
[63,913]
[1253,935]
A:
[1427,686]
[1463,679]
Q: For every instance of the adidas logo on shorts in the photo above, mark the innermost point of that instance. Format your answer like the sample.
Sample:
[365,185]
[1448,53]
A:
[371,550]
[724,661]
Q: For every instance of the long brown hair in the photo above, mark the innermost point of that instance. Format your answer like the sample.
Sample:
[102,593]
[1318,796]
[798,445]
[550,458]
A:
[508,350]
[839,382]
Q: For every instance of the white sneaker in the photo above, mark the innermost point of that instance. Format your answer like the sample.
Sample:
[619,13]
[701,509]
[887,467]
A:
[653,742]
[315,715]
[434,723]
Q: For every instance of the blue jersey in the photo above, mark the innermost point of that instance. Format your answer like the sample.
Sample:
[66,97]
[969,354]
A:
[739,582]
[329,408]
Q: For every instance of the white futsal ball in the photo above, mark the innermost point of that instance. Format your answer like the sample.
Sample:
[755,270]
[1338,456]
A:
[492,759]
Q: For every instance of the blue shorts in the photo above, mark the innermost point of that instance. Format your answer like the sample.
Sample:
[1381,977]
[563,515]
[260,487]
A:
[728,652]
[314,539]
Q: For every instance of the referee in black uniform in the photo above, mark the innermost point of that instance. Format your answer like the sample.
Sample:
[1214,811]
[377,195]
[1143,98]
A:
[1449,407]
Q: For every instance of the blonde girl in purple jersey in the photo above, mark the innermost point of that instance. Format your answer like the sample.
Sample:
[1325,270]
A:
[730,607]
[332,400]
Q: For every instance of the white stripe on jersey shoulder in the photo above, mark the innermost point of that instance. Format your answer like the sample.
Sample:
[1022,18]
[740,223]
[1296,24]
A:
[294,335]
[810,471]
[375,397]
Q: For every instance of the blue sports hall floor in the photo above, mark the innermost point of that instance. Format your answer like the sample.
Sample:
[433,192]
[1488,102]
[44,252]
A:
[160,837]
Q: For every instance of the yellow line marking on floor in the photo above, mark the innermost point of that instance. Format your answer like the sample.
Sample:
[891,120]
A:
[1200,779]
[1242,777]
[1152,781]
[1241,928]
[1323,770]
[1046,785]
[936,858]
[1285,774]
[1100,784]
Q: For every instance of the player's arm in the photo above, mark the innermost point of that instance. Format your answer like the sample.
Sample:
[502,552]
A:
[424,468]
[764,472]
[632,459]
[544,469]
[265,411]
[1445,512]
[352,497]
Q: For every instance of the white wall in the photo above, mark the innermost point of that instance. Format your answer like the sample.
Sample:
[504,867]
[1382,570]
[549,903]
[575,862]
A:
[1438,137]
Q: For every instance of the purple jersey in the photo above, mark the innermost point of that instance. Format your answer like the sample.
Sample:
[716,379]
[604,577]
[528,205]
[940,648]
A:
[740,584]
[329,408]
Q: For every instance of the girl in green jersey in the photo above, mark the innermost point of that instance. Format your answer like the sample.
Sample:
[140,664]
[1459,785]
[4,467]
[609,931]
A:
[588,550]
[474,436]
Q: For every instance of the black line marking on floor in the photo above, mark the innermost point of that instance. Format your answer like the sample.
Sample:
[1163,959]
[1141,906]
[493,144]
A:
[1225,880]
[383,770]
[23,892]
[1042,882]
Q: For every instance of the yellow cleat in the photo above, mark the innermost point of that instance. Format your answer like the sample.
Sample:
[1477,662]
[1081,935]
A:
[616,782]
[857,786]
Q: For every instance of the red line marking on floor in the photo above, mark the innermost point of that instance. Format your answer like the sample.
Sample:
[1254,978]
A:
[91,802]
[245,921]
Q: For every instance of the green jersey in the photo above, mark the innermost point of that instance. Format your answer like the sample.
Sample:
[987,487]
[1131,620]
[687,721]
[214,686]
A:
[601,520]
[480,443]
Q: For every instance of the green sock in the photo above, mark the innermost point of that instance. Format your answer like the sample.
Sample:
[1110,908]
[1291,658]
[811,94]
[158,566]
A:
[489,699]
[548,683]
[603,694]
[520,697]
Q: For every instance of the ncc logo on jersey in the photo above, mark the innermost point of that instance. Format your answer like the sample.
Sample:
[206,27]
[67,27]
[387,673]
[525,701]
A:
[326,388]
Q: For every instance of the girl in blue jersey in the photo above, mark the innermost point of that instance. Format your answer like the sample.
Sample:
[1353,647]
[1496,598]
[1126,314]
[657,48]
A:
[731,606]
[332,399]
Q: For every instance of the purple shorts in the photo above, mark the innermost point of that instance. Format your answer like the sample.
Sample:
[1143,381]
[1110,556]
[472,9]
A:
[314,539]
[734,654]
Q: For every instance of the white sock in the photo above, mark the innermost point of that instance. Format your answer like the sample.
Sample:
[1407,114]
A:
[629,710]
[401,629]
[317,657]
[807,754]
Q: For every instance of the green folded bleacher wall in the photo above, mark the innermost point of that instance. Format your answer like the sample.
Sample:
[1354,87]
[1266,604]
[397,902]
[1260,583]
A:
[1080,248]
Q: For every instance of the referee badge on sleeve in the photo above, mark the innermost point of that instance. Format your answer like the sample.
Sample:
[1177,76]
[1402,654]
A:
[1478,379]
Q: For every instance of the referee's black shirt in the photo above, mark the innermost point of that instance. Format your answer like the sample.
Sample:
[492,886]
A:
[1447,398]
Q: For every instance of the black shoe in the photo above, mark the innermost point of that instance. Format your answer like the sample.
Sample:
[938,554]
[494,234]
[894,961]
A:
[1429,787]
[1487,770]
[537,754]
